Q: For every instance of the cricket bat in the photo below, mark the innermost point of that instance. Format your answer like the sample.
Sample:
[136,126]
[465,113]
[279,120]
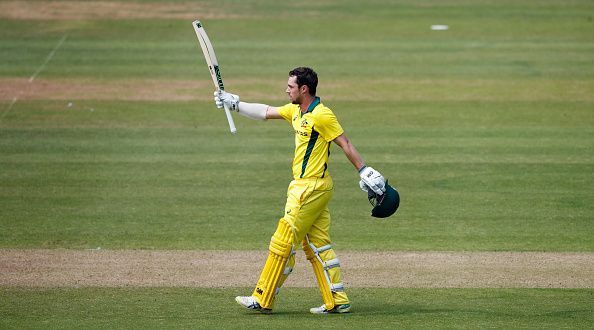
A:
[213,66]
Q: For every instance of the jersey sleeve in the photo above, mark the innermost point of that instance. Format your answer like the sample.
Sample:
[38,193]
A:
[327,125]
[286,111]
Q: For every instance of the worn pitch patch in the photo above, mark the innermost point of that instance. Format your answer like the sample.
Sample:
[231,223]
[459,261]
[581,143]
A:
[143,268]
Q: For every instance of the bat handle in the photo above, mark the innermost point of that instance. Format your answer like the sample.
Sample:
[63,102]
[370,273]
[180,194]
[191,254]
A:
[230,120]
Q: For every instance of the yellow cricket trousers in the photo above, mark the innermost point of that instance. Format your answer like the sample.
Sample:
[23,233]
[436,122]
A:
[308,218]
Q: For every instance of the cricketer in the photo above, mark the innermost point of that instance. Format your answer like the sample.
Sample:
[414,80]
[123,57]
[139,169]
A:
[306,218]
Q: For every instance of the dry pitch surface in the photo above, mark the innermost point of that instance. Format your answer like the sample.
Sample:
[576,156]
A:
[119,268]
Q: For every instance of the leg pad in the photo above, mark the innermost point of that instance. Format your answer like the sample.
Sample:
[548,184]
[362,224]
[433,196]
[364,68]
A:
[321,269]
[276,269]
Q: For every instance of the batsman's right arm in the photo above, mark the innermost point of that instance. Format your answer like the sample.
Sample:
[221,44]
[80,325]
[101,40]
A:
[255,111]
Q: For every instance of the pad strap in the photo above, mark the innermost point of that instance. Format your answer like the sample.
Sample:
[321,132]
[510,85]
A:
[321,249]
[331,263]
[337,287]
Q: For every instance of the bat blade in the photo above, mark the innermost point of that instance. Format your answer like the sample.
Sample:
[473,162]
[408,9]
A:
[213,66]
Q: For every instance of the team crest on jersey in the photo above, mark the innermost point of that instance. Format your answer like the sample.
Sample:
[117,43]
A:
[303,123]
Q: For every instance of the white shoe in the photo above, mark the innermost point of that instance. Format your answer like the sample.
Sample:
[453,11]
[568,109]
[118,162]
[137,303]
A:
[250,302]
[338,309]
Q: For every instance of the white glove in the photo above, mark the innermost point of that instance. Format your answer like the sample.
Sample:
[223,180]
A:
[363,186]
[231,100]
[372,179]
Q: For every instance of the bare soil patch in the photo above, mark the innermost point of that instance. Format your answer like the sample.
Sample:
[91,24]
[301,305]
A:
[122,268]
[120,90]
[80,89]
[201,88]
[108,10]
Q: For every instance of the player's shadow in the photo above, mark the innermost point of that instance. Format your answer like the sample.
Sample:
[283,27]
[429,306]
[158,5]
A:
[377,309]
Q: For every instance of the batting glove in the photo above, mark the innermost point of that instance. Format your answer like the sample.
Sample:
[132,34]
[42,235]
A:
[372,179]
[363,186]
[223,98]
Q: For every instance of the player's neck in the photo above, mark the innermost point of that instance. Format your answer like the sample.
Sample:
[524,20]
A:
[304,105]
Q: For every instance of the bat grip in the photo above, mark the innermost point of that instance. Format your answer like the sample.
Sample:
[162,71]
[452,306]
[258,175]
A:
[230,119]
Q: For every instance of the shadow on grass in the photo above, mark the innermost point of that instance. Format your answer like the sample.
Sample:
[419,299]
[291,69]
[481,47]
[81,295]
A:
[365,310]
[398,309]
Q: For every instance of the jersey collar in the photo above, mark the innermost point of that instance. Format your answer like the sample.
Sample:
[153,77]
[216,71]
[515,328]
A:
[312,106]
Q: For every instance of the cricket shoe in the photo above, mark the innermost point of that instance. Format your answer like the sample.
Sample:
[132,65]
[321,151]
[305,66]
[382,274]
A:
[338,309]
[250,302]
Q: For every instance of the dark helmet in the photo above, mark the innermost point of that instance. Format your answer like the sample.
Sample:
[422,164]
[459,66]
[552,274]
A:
[386,204]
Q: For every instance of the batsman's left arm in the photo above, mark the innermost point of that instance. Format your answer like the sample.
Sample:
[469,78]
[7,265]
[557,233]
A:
[370,178]
[350,151]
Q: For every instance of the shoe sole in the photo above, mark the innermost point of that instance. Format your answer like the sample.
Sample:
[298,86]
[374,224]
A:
[334,311]
[260,309]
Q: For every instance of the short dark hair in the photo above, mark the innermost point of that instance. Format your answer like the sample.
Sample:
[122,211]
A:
[306,76]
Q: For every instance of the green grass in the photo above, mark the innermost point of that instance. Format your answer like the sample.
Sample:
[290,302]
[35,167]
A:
[140,175]
[486,130]
[341,39]
[373,308]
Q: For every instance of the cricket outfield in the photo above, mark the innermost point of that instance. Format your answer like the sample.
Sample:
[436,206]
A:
[126,202]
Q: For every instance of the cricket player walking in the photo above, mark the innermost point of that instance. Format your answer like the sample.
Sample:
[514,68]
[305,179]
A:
[306,218]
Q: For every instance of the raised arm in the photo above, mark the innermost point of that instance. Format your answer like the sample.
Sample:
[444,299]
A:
[255,111]
[272,113]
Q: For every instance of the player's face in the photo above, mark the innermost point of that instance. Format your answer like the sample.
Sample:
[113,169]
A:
[293,90]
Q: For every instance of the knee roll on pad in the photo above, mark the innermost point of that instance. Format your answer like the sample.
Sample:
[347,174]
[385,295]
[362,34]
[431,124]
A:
[281,243]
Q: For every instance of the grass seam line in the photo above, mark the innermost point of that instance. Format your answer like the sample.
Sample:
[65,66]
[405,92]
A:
[36,73]
[14,99]
[48,58]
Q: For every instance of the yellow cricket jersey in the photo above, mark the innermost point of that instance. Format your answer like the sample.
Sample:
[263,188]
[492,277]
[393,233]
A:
[314,131]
